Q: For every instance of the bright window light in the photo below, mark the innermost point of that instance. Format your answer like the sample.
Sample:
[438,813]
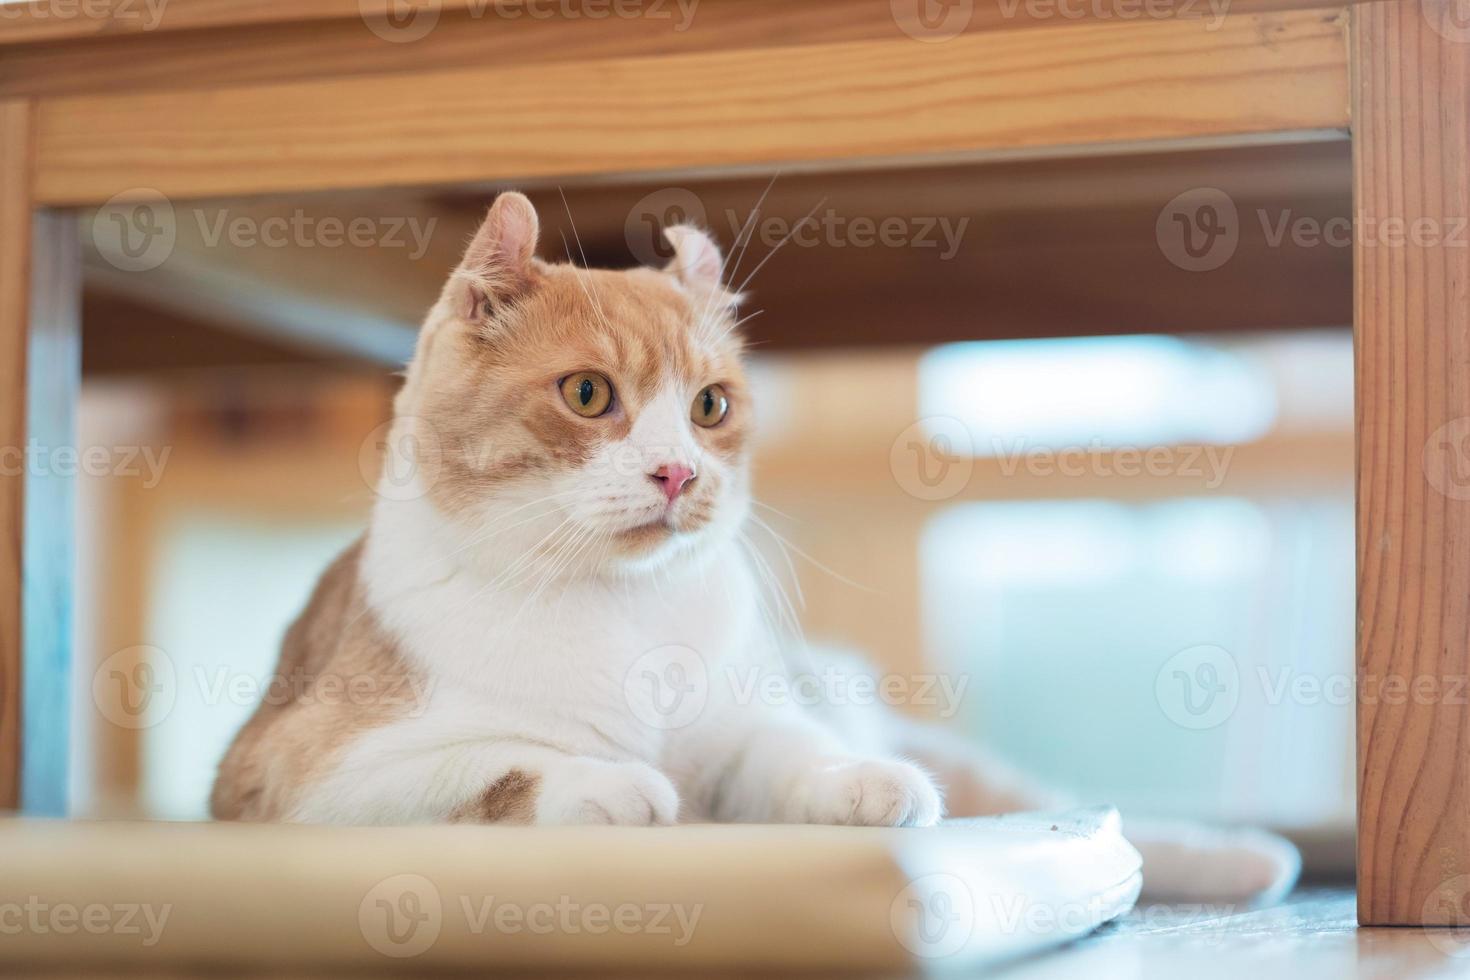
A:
[1106,392]
[1065,613]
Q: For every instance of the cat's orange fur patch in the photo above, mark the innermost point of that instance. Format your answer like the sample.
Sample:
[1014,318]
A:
[510,799]
[339,674]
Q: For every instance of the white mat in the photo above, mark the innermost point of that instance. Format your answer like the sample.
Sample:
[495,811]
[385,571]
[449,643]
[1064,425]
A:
[1021,883]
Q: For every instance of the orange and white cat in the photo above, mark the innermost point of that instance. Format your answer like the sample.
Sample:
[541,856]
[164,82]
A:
[570,524]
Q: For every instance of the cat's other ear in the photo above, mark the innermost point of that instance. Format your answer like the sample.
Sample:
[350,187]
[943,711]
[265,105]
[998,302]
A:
[497,265]
[697,262]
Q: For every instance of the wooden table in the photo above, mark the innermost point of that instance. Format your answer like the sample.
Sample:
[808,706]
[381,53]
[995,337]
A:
[105,99]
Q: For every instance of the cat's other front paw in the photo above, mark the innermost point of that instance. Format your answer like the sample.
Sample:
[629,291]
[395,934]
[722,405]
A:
[591,791]
[874,793]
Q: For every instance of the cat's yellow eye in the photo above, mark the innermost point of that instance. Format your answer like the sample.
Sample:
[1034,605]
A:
[710,407]
[587,394]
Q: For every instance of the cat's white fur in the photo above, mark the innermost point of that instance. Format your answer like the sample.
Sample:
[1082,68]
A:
[543,677]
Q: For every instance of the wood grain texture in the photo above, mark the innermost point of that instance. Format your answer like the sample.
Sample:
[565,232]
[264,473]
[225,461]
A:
[53,20]
[63,21]
[1411,118]
[852,101]
[296,50]
[15,244]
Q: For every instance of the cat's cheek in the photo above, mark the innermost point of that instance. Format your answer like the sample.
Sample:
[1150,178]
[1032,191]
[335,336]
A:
[699,517]
[699,510]
[727,441]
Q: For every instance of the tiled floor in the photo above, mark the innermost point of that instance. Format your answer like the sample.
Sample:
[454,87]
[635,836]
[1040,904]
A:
[1313,934]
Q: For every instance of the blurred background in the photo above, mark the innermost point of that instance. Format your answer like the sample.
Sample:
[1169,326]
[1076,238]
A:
[1013,437]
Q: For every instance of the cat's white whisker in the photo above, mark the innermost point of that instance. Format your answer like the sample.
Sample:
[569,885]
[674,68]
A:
[526,560]
[780,245]
[479,539]
[596,305]
[738,324]
[785,543]
[740,247]
[579,276]
[785,609]
[774,631]
[560,562]
[785,552]
[737,255]
[778,512]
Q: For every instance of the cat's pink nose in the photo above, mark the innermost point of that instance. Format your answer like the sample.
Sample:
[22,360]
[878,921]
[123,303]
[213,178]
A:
[672,479]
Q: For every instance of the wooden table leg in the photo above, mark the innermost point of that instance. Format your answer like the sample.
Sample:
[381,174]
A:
[1411,136]
[15,264]
[40,300]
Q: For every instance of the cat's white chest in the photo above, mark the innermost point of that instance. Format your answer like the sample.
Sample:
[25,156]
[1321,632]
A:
[571,665]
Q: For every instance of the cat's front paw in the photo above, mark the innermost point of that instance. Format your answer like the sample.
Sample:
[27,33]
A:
[874,793]
[590,791]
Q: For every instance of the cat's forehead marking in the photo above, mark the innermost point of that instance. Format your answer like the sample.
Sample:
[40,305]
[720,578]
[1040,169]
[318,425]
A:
[642,327]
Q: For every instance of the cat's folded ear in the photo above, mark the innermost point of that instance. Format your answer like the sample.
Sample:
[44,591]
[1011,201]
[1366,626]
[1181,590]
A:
[497,265]
[696,260]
